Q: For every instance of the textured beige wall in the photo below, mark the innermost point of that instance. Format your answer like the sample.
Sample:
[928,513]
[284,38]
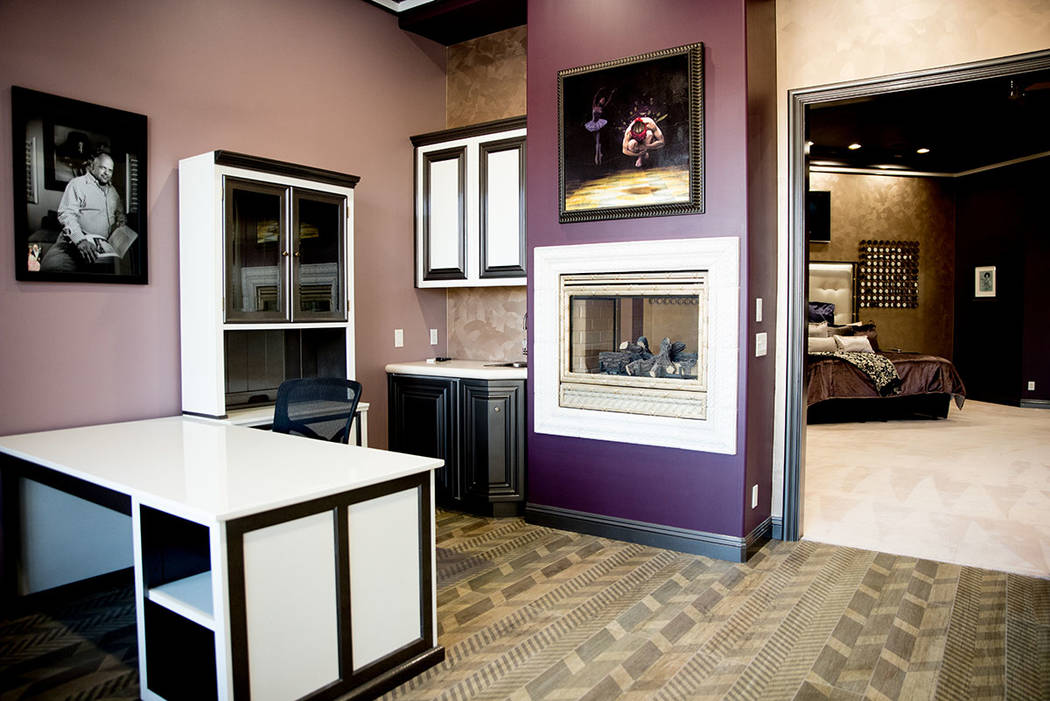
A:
[831,41]
[486,81]
[898,209]
[486,323]
[486,78]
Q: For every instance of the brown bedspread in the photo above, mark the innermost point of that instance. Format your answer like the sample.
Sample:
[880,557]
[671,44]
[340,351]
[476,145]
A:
[832,378]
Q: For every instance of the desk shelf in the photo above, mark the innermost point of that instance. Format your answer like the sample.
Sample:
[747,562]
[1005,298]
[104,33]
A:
[190,598]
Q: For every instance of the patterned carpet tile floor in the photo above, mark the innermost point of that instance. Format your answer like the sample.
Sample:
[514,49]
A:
[529,613]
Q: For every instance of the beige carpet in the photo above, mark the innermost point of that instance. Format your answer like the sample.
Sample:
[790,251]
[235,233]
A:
[973,489]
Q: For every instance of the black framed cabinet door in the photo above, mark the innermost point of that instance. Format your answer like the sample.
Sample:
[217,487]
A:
[493,455]
[423,412]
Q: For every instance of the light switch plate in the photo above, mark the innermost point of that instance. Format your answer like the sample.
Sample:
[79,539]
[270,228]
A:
[760,344]
[754,496]
[433,337]
[758,310]
[1031,385]
[399,338]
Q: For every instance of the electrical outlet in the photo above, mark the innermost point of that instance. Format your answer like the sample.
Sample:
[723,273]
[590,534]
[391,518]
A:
[433,337]
[754,496]
[758,310]
[761,341]
[399,338]
[1031,385]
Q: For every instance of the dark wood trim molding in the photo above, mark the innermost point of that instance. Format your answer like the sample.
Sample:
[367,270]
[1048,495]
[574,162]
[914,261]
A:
[436,137]
[716,545]
[798,101]
[294,170]
[460,271]
[415,656]
[88,491]
[498,271]
[1035,403]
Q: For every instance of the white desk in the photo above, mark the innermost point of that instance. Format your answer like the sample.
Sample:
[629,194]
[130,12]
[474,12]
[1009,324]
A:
[266,565]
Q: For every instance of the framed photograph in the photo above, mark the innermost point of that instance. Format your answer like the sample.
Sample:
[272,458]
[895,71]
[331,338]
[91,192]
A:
[80,193]
[984,281]
[630,136]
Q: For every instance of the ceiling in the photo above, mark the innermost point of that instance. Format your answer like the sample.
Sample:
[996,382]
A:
[965,126]
[453,21]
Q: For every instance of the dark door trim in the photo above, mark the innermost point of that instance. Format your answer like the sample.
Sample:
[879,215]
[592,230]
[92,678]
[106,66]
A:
[798,100]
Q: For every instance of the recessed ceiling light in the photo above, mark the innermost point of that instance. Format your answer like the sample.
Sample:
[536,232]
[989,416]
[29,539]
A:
[854,146]
[922,150]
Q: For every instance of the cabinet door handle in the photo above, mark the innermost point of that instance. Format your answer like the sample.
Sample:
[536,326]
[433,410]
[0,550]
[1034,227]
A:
[297,254]
[496,409]
[284,253]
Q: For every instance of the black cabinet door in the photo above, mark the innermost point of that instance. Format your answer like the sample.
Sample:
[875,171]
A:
[493,455]
[423,414]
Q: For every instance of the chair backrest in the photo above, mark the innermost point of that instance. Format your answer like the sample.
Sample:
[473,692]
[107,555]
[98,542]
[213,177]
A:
[317,407]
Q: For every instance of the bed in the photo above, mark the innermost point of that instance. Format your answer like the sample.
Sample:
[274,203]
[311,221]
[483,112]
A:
[877,385]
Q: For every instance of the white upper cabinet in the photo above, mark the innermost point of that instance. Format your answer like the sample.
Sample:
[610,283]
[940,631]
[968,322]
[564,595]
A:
[265,278]
[470,205]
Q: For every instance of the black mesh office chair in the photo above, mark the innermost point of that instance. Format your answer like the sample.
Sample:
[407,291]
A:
[317,407]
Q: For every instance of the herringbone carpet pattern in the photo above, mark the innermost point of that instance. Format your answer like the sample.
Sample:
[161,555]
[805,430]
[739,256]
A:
[527,613]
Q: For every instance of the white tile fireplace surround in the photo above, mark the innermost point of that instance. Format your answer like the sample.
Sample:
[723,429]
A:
[718,258]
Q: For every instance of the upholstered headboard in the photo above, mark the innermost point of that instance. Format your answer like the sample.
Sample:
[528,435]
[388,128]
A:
[835,283]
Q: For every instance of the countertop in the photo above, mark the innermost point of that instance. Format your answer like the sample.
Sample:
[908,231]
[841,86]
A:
[206,470]
[471,369]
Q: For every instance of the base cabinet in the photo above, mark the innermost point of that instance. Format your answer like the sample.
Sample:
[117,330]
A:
[476,426]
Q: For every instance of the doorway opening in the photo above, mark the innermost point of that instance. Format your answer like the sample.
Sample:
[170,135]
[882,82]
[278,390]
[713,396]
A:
[860,96]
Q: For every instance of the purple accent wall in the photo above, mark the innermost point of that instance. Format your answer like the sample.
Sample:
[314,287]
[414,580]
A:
[761,252]
[326,83]
[686,489]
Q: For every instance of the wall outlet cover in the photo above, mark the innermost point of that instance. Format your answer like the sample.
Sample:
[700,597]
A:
[761,344]
[433,337]
[1031,385]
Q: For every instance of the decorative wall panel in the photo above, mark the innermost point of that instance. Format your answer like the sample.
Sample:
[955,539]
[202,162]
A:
[888,274]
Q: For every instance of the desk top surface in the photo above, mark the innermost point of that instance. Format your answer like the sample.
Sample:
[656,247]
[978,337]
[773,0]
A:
[208,470]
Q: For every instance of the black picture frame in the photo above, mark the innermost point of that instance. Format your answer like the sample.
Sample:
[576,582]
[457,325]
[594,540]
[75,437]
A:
[60,137]
[597,180]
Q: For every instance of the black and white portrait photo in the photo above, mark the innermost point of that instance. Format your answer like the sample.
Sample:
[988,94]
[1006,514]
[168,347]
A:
[80,193]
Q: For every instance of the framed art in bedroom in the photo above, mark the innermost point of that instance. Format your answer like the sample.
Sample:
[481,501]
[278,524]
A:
[80,193]
[984,281]
[630,136]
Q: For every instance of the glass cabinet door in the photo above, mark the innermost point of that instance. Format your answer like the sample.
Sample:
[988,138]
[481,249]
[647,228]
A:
[318,256]
[256,251]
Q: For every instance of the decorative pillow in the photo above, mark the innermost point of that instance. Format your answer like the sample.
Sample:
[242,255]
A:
[853,344]
[821,345]
[818,330]
[867,330]
[822,311]
[846,330]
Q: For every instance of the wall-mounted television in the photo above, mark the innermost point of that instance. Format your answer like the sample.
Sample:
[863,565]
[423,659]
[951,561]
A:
[818,216]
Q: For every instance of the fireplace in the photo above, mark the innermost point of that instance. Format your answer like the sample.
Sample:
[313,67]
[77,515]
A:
[638,342]
[634,342]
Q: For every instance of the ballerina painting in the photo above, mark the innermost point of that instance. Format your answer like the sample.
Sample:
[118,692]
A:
[650,109]
[598,104]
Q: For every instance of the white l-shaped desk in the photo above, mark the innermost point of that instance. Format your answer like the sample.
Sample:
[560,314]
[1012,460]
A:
[266,566]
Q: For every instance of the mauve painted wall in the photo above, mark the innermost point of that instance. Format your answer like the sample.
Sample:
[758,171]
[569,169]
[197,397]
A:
[327,83]
[686,489]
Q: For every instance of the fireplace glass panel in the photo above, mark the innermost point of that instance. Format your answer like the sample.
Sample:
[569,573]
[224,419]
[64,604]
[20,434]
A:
[636,334]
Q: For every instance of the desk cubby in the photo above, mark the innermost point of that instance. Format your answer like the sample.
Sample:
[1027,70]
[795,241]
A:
[178,608]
